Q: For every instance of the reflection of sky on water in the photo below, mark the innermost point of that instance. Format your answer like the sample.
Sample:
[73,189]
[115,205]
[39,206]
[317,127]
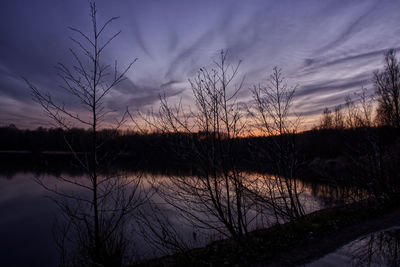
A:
[376,249]
[27,218]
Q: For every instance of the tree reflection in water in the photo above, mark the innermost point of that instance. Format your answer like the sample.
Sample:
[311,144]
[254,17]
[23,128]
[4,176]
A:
[378,249]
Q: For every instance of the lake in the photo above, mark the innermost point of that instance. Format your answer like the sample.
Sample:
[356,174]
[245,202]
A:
[28,215]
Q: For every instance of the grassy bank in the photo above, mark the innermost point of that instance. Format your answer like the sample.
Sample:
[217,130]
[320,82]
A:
[292,243]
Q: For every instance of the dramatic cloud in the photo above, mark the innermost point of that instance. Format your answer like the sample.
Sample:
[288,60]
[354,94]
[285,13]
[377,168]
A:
[328,48]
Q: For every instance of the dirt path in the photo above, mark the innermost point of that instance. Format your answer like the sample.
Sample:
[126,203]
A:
[317,248]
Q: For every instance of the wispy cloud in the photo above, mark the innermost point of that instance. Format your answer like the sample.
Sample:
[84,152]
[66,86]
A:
[329,48]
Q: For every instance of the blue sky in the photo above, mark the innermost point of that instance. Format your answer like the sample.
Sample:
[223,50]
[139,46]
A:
[329,49]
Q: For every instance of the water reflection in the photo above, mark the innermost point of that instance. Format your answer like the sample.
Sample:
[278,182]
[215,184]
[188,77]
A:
[27,216]
[376,249]
[334,194]
[26,220]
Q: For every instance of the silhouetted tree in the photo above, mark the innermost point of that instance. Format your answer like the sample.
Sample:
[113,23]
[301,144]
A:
[327,119]
[365,118]
[387,84]
[214,198]
[351,114]
[274,117]
[372,156]
[356,114]
[96,211]
[338,119]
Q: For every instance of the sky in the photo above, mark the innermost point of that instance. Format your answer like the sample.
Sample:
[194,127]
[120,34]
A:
[328,49]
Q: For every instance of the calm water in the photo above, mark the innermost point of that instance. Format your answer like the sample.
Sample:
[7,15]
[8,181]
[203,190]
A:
[26,222]
[27,218]
[376,249]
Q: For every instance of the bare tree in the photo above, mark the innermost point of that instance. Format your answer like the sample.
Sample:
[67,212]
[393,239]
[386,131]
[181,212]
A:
[373,154]
[338,118]
[387,84]
[273,117]
[327,119]
[214,198]
[352,114]
[98,207]
[359,112]
[365,117]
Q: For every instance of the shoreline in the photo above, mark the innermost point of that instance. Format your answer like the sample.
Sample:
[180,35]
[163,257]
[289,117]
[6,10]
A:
[319,247]
[293,243]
